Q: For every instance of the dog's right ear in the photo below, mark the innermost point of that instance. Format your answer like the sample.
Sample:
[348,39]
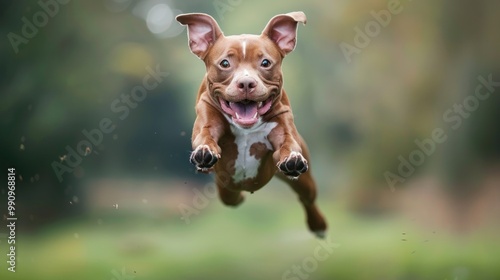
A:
[282,30]
[203,31]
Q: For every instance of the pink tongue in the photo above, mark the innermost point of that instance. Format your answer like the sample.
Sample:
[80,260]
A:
[245,111]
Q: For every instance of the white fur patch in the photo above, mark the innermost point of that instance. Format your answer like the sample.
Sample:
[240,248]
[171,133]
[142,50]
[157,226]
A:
[244,48]
[246,165]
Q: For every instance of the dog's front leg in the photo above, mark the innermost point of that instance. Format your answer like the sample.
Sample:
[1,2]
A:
[208,127]
[287,146]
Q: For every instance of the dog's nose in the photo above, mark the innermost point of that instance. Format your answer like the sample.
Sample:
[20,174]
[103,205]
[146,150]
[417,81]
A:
[247,85]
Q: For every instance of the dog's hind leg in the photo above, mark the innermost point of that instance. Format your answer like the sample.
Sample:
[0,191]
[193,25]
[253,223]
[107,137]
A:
[305,187]
[230,197]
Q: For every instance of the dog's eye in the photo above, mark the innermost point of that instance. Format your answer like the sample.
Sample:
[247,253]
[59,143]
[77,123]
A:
[265,63]
[224,64]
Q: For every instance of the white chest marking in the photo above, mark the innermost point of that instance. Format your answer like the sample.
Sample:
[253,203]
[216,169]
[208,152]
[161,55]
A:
[246,165]
[244,48]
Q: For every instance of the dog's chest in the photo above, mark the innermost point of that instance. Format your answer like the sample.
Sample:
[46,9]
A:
[251,144]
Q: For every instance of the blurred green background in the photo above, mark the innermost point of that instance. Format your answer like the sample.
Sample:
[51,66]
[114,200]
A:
[368,81]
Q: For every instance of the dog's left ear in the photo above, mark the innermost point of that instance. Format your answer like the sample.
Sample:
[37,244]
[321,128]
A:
[203,31]
[282,29]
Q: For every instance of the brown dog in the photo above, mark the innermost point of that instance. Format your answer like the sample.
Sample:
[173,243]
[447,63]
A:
[244,128]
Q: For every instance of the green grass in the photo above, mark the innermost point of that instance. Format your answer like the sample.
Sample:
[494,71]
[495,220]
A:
[260,240]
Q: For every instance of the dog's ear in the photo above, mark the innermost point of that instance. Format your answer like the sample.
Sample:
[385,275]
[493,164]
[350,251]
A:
[203,31]
[282,29]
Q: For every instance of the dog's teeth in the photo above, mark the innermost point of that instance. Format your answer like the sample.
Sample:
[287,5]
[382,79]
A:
[255,116]
[259,105]
[237,116]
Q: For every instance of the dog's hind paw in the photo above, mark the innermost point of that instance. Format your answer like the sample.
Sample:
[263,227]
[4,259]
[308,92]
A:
[321,234]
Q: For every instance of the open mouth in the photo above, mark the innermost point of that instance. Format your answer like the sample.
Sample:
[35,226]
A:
[246,112]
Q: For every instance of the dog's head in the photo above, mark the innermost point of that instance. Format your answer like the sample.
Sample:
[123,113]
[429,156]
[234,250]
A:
[243,71]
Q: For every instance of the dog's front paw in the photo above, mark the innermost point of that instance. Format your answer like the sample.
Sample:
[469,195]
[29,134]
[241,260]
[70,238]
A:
[203,158]
[293,165]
